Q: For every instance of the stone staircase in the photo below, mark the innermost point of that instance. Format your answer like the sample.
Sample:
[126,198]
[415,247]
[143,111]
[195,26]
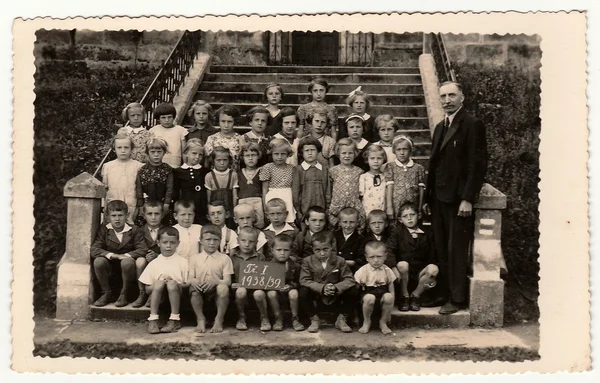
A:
[394,90]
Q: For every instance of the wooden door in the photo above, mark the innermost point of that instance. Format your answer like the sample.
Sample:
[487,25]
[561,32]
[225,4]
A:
[315,48]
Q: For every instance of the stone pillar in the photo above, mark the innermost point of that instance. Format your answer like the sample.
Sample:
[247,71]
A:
[429,79]
[487,289]
[84,195]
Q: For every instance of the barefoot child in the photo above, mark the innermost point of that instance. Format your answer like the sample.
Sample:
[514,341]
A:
[415,253]
[277,212]
[209,278]
[247,251]
[277,176]
[371,184]
[218,216]
[259,117]
[133,115]
[119,175]
[173,134]
[326,281]
[189,179]
[203,127]
[250,187]
[189,233]
[117,246]
[376,282]
[280,252]
[165,276]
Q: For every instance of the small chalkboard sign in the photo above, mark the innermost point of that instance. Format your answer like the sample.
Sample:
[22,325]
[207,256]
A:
[260,275]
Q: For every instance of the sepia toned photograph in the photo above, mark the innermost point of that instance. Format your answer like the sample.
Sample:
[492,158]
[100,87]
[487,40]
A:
[214,194]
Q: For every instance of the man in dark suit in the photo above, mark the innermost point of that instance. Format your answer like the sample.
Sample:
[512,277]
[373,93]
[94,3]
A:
[457,169]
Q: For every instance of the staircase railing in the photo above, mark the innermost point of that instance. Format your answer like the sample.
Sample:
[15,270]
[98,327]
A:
[169,79]
[440,56]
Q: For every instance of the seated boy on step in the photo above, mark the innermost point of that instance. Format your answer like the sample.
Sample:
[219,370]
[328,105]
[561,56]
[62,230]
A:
[209,278]
[115,249]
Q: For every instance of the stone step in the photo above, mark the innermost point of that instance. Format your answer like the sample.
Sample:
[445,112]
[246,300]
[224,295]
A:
[302,87]
[303,98]
[429,316]
[310,69]
[363,78]
[400,111]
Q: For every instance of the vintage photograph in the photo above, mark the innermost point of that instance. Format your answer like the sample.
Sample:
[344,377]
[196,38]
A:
[390,194]
[286,195]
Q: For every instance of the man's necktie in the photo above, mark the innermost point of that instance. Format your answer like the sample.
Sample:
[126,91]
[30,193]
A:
[445,128]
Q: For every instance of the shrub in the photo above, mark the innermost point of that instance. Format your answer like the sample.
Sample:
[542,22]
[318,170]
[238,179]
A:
[507,99]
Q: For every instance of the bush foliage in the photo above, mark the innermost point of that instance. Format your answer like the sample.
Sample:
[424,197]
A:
[76,109]
[507,99]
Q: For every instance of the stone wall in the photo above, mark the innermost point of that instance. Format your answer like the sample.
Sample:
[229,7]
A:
[236,48]
[495,50]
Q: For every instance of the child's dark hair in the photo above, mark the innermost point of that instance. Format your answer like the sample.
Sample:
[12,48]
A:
[168,230]
[258,110]
[217,203]
[116,205]
[228,110]
[220,149]
[184,204]
[315,209]
[283,238]
[408,205]
[210,229]
[164,109]
[152,203]
[318,81]
[324,236]
[309,140]
[289,111]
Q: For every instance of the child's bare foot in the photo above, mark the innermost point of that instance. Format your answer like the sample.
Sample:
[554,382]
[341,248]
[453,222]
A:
[217,327]
[201,326]
[385,330]
[365,327]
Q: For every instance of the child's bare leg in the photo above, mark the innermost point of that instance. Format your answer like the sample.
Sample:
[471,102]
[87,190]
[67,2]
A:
[222,303]
[387,303]
[140,265]
[155,291]
[198,306]
[293,296]
[174,291]
[241,295]
[368,303]
[403,269]
[261,302]
[274,302]
[427,278]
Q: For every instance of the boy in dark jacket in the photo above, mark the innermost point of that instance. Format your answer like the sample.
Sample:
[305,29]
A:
[117,245]
[350,243]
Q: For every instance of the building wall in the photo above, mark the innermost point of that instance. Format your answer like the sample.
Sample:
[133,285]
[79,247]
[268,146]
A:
[239,48]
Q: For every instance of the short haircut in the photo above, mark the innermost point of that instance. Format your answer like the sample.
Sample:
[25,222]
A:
[280,143]
[315,209]
[358,93]
[125,112]
[386,119]
[193,143]
[289,111]
[345,142]
[377,149]
[210,229]
[317,111]
[165,109]
[324,236]
[217,203]
[318,81]
[228,110]
[198,104]
[156,143]
[249,230]
[309,140]
[458,85]
[400,139]
[153,203]
[258,110]
[168,230]
[408,205]
[123,136]
[283,238]
[184,204]
[222,150]
[276,202]
[348,211]
[375,245]
[273,85]
[243,207]
[116,205]
[376,213]
[250,147]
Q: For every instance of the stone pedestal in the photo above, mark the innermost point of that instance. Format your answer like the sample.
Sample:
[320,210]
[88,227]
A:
[84,195]
[487,289]
[429,79]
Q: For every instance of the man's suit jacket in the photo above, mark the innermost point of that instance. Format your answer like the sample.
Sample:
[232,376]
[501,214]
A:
[458,163]
[313,276]
[106,241]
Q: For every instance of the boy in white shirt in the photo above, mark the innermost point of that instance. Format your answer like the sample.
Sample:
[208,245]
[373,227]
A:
[189,233]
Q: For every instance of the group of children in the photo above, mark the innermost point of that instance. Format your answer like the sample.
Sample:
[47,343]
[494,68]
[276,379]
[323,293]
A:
[294,176]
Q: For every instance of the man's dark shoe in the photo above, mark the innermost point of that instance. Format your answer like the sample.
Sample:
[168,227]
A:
[403,306]
[103,300]
[435,302]
[449,308]
[413,303]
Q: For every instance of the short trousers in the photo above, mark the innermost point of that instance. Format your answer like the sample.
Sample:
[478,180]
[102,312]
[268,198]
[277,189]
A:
[378,291]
